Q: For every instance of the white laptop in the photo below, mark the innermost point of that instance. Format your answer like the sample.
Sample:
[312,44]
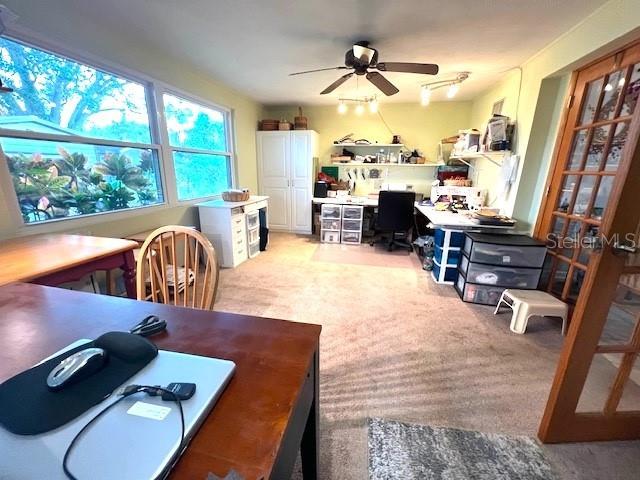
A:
[133,440]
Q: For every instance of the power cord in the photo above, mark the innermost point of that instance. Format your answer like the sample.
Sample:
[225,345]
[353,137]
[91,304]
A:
[126,392]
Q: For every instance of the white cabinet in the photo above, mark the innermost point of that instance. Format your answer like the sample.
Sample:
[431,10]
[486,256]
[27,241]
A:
[233,228]
[285,173]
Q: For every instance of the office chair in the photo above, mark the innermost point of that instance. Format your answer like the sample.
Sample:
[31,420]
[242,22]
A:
[395,217]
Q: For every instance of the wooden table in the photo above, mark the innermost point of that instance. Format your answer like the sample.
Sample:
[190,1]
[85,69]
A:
[267,413]
[53,259]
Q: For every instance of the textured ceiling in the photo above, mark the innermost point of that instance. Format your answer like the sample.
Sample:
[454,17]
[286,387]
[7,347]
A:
[253,45]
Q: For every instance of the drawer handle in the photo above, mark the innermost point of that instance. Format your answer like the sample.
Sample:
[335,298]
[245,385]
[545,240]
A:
[239,242]
[239,231]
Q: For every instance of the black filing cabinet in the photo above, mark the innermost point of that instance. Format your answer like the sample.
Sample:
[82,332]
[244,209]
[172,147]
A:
[491,263]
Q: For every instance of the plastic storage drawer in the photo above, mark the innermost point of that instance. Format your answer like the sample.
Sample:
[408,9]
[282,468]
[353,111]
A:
[329,236]
[503,276]
[452,257]
[330,224]
[351,237]
[353,212]
[351,225]
[456,239]
[331,211]
[474,293]
[253,220]
[253,236]
[450,274]
[507,250]
[254,249]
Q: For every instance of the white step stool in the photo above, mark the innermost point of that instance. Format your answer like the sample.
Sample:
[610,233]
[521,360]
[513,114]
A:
[530,303]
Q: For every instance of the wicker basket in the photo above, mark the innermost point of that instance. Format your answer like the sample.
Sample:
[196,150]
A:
[235,196]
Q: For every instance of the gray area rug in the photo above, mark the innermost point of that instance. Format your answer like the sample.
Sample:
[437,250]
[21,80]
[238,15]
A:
[404,451]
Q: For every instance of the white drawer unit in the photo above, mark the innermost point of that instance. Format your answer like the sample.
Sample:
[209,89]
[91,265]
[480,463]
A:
[330,223]
[352,216]
[233,228]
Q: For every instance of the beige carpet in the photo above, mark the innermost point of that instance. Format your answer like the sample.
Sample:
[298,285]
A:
[397,346]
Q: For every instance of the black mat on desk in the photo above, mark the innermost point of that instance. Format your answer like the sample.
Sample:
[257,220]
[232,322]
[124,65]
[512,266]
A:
[29,407]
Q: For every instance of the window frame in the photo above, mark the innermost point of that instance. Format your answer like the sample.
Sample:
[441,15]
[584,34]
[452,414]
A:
[154,89]
[169,150]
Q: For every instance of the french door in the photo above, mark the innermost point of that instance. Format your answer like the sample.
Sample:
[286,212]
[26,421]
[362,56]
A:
[591,221]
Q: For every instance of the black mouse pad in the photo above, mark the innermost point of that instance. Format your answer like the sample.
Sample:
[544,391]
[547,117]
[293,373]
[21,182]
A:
[29,407]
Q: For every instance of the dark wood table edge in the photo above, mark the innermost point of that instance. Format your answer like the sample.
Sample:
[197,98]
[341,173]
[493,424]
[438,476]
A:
[123,260]
[302,433]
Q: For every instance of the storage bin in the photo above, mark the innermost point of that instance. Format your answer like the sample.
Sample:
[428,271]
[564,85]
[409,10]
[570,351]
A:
[456,238]
[353,212]
[330,224]
[252,220]
[351,237]
[253,236]
[254,249]
[474,293]
[452,257]
[508,250]
[330,211]
[351,225]
[450,274]
[330,236]
[503,276]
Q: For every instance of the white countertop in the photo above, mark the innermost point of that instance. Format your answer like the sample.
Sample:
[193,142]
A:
[222,204]
[445,219]
[453,220]
[348,200]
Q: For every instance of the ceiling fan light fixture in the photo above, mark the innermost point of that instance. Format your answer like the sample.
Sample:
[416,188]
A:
[373,105]
[425,95]
[342,108]
[359,109]
[453,89]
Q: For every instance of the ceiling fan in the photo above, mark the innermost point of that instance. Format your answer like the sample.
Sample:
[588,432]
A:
[361,58]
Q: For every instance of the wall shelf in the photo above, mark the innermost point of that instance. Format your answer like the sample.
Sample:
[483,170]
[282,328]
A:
[494,157]
[370,145]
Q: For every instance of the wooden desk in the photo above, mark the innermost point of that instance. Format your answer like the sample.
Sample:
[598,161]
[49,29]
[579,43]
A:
[268,411]
[58,258]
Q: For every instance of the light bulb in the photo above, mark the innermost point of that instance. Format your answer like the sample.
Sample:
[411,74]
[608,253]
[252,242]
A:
[608,87]
[453,89]
[373,105]
[621,82]
[425,96]
[359,109]
[342,108]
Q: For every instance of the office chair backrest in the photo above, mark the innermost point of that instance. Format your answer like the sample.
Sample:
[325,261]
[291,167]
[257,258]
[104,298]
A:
[395,210]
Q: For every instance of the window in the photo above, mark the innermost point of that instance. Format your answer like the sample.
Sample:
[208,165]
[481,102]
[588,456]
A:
[198,137]
[77,139]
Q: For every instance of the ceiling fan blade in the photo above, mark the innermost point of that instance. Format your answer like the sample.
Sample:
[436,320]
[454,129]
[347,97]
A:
[382,83]
[336,84]
[425,68]
[318,70]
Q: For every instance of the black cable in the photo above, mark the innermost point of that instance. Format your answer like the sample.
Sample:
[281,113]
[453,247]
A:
[126,392]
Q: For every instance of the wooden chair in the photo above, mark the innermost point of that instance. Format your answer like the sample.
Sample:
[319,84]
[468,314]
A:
[179,262]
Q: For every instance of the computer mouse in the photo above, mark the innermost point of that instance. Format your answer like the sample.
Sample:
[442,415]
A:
[76,367]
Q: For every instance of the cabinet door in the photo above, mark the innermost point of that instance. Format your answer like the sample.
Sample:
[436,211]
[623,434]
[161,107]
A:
[273,170]
[301,181]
